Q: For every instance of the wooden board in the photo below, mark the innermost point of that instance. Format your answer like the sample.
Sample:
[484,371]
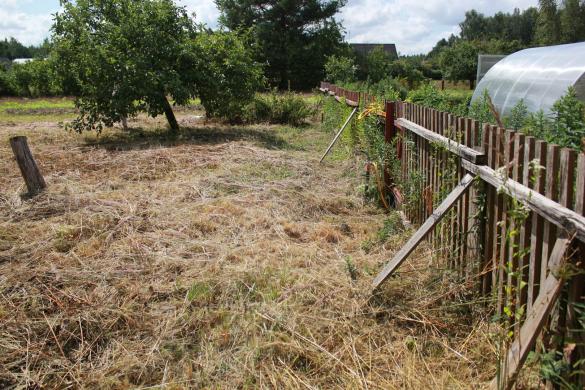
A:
[453,146]
[552,193]
[487,228]
[430,223]
[522,345]
[552,211]
[526,229]
[537,232]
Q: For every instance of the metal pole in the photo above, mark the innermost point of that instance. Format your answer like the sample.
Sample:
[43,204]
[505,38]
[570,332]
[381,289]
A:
[338,135]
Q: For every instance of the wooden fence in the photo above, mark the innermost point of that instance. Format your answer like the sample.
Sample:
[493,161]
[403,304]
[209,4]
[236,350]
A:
[503,233]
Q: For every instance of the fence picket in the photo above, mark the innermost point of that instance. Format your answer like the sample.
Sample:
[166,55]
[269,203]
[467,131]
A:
[487,268]
[525,231]
[576,288]
[537,234]
[510,255]
[551,192]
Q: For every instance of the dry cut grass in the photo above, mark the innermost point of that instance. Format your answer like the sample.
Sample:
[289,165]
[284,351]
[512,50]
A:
[222,258]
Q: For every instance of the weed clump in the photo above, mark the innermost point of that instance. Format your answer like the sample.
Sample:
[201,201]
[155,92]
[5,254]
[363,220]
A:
[279,108]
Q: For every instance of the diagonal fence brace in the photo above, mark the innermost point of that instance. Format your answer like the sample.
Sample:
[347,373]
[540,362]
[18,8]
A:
[338,134]
[425,229]
[542,307]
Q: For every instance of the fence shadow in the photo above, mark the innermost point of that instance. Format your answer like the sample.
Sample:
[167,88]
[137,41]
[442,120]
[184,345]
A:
[144,138]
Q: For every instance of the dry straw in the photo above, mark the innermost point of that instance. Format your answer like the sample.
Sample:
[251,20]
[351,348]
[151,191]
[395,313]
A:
[219,259]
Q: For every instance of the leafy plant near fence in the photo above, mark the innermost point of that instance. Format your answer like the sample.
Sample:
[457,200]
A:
[334,114]
[565,125]
[455,102]
[365,136]
[385,89]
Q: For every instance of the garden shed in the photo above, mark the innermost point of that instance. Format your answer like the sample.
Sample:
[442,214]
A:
[538,76]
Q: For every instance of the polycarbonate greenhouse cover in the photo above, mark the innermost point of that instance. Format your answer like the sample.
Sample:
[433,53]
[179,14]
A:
[539,76]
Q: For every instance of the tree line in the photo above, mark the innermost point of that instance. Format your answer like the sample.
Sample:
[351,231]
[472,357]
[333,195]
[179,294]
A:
[11,48]
[455,58]
[122,57]
[552,23]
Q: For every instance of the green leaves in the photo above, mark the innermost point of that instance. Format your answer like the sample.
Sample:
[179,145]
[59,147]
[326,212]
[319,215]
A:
[459,61]
[294,37]
[227,76]
[131,56]
[339,69]
[120,52]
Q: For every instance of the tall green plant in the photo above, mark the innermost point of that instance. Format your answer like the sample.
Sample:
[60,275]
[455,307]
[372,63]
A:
[286,108]
[568,116]
[339,69]
[127,57]
[224,72]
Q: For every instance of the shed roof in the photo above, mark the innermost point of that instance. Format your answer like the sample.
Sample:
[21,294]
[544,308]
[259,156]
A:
[539,76]
[365,48]
[21,60]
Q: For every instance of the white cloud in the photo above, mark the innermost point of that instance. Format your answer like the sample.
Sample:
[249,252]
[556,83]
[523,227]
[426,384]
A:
[413,25]
[205,11]
[27,28]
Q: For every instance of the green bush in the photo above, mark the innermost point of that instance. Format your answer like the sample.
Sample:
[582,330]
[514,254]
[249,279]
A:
[228,76]
[334,114]
[565,125]
[7,87]
[340,69]
[286,108]
[35,79]
[480,110]
[455,102]
[389,89]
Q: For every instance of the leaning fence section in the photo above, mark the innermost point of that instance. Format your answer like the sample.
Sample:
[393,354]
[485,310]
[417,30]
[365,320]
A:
[490,238]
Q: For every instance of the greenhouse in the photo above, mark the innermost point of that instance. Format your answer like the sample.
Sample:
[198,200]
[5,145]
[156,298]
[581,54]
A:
[538,76]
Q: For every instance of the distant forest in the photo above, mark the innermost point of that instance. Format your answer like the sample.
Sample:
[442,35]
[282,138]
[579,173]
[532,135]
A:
[289,54]
[11,48]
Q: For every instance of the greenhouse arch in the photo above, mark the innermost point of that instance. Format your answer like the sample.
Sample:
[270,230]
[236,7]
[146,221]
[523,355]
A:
[538,76]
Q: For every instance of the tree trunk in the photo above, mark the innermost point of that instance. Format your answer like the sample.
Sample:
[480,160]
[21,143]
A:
[170,116]
[28,167]
[471,84]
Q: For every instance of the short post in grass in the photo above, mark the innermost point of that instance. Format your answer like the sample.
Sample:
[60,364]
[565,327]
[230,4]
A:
[28,167]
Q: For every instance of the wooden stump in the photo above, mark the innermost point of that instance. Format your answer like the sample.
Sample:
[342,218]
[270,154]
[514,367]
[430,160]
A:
[28,167]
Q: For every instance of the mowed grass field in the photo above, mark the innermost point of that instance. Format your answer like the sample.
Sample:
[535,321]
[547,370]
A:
[223,257]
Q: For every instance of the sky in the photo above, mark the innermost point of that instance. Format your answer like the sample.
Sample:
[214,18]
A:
[413,25]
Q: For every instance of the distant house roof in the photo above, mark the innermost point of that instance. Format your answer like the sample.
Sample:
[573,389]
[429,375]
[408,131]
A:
[365,48]
[21,60]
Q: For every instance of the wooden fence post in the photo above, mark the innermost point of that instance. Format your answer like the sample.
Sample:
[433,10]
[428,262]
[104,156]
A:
[389,137]
[28,167]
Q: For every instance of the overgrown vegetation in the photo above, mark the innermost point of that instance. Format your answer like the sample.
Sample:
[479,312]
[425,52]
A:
[564,126]
[154,260]
[294,37]
[226,76]
[33,79]
[170,57]
[279,108]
